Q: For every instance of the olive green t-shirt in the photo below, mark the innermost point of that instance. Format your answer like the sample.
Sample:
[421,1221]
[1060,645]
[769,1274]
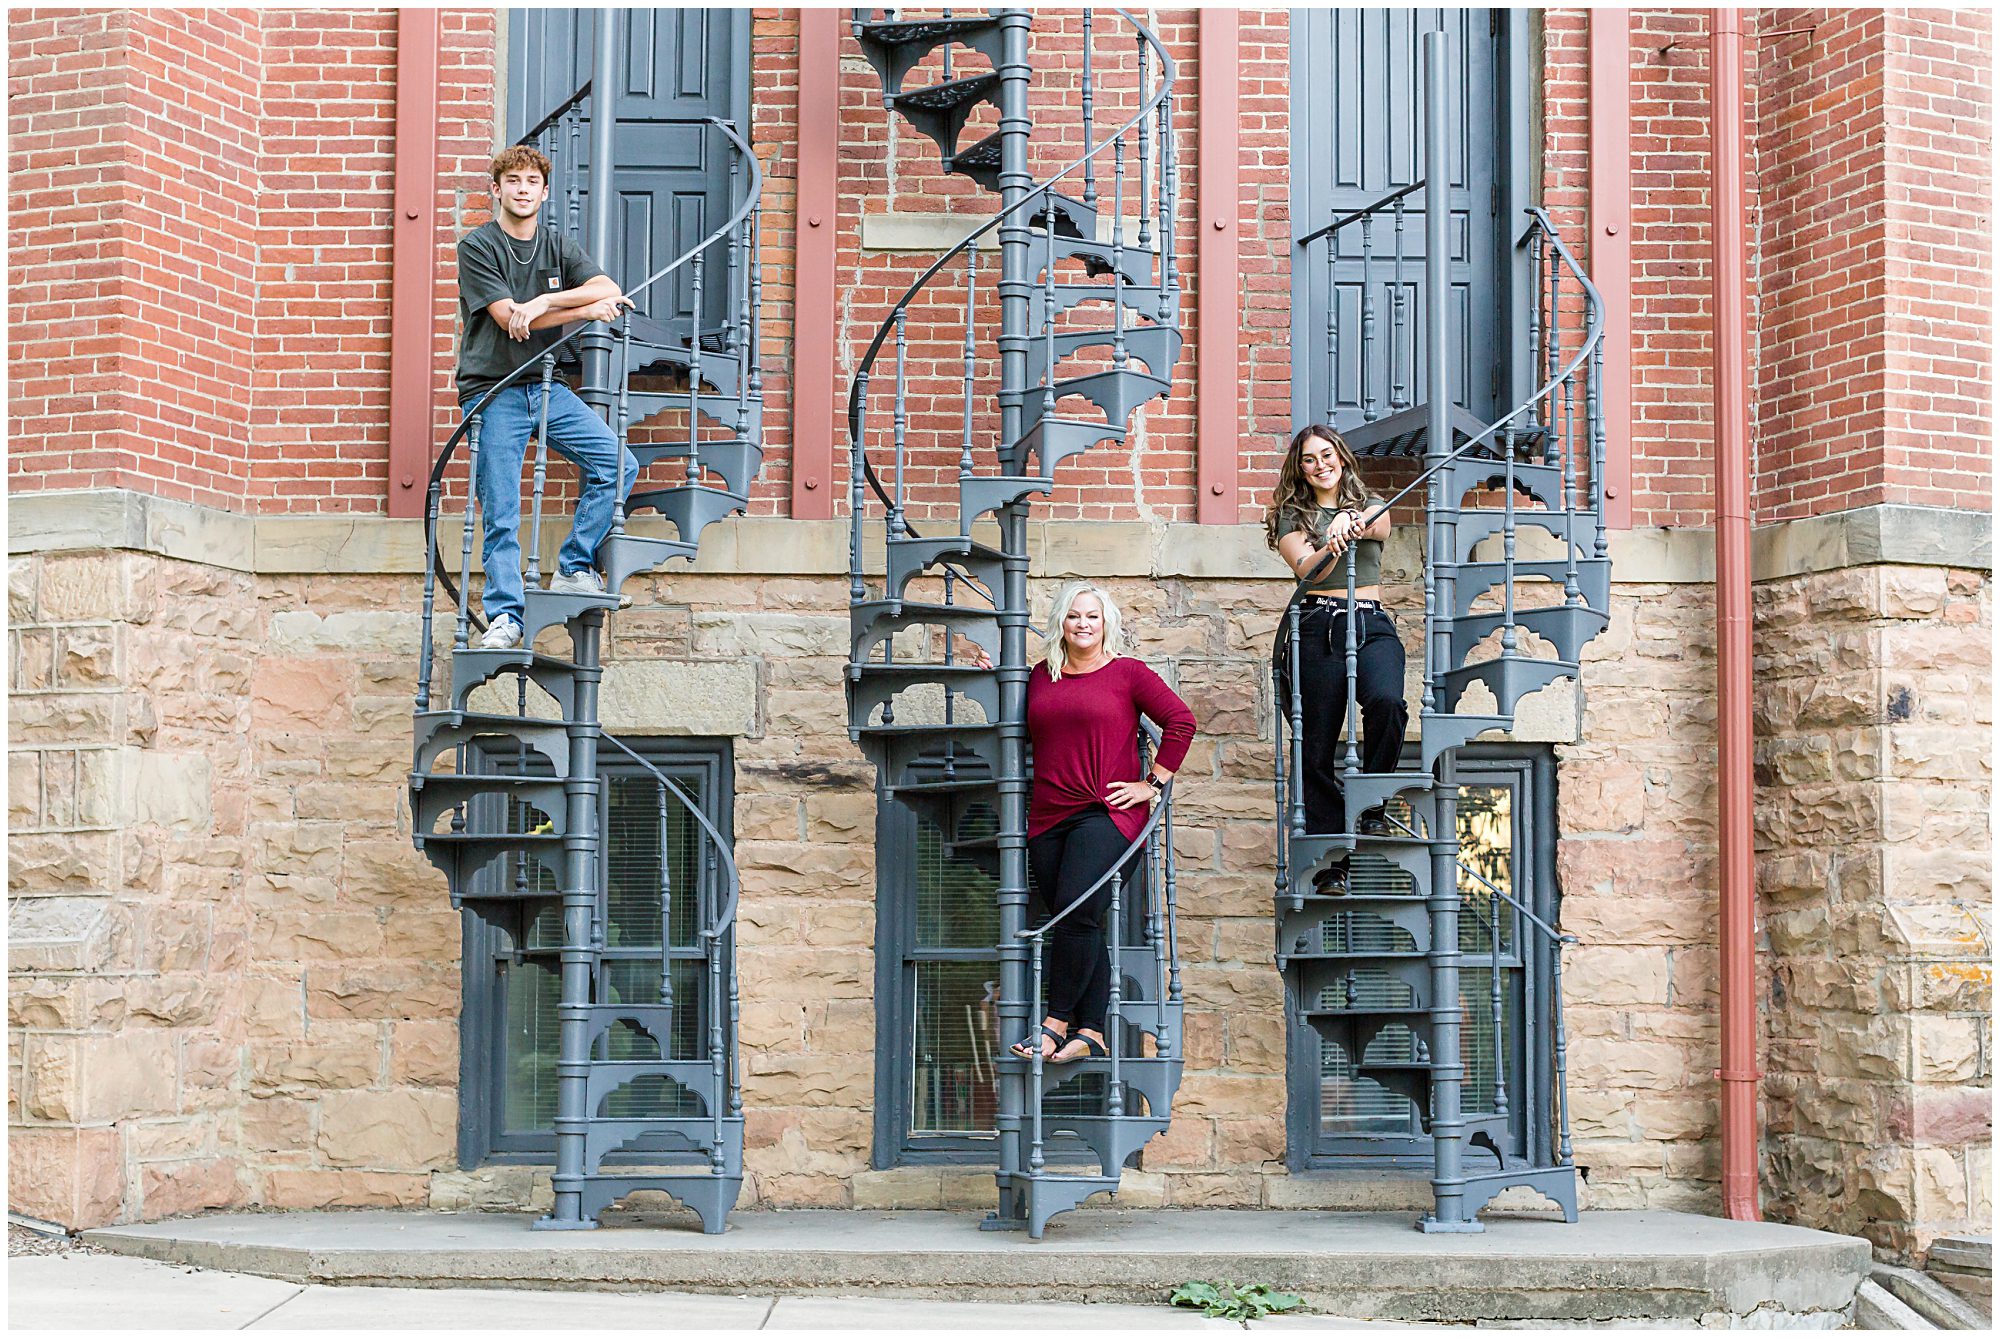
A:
[492,266]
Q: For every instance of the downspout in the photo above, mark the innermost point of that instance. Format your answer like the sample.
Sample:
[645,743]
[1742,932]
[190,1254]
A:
[413,261]
[1729,154]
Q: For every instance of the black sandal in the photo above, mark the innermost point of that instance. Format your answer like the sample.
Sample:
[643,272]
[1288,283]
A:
[1092,1049]
[1022,1051]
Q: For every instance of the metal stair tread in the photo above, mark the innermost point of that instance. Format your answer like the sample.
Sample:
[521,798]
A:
[896,32]
[947,96]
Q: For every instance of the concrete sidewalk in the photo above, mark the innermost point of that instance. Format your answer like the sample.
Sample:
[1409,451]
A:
[102,1291]
[1672,1268]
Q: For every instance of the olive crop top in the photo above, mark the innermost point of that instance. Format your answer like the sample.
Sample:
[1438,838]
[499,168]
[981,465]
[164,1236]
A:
[1367,556]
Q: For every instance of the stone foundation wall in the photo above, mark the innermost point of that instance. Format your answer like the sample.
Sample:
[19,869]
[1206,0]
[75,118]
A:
[234,982]
[1874,725]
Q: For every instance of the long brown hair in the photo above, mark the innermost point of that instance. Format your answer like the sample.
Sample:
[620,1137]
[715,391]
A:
[1293,502]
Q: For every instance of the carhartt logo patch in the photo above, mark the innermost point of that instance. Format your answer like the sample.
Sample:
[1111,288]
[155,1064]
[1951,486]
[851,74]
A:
[555,283]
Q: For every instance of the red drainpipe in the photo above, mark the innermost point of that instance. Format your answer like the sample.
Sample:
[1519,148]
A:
[413,257]
[1728,157]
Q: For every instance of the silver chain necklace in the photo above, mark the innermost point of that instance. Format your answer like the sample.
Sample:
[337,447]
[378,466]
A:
[534,248]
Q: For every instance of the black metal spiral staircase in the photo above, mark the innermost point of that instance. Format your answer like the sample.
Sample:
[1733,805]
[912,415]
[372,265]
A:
[1088,309]
[505,789]
[1373,967]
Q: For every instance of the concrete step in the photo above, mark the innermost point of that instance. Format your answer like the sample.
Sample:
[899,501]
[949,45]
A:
[1961,1254]
[1676,1269]
[1944,1308]
[1876,1309]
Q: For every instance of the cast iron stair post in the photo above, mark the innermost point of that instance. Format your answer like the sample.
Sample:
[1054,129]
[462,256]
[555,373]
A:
[505,802]
[948,737]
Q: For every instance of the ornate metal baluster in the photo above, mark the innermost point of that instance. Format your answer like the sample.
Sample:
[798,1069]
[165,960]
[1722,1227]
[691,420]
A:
[900,419]
[1508,637]
[1598,448]
[857,506]
[426,651]
[572,192]
[1572,592]
[694,373]
[1145,150]
[755,355]
[460,638]
[1499,1036]
[969,354]
[1563,1150]
[666,925]
[1350,763]
[1399,397]
[1114,1012]
[1368,318]
[1298,729]
[541,475]
[1332,240]
[1089,128]
[622,418]
[716,1004]
[1119,357]
[1173,920]
[1533,418]
[1049,352]
[1036,1159]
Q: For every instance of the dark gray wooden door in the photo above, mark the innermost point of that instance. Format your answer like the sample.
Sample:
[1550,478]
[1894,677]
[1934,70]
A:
[1358,126]
[679,67]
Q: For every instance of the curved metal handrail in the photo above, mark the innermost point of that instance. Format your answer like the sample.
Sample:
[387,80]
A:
[1593,335]
[1124,856]
[1551,932]
[857,392]
[1363,212]
[446,452]
[563,108]
[726,916]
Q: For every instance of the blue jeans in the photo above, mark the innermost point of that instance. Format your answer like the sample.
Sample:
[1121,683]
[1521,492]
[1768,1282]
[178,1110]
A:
[576,434]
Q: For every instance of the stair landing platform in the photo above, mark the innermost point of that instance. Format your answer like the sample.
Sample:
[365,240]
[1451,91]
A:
[1675,1269]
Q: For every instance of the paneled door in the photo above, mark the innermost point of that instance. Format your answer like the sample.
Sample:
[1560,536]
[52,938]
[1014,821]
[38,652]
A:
[1358,126]
[678,68]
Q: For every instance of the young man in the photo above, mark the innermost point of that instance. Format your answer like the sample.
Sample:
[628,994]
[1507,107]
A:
[517,285]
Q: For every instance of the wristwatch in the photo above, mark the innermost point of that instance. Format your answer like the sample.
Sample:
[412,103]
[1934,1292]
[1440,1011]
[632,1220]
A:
[1154,781]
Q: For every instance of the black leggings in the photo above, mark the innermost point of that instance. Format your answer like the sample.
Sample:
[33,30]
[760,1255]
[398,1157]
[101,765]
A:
[1066,859]
[1323,688]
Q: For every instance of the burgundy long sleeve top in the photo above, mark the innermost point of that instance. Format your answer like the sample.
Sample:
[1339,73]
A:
[1085,732]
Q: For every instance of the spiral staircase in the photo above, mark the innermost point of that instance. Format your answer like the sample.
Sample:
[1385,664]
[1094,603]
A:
[1516,583]
[1086,305]
[505,786]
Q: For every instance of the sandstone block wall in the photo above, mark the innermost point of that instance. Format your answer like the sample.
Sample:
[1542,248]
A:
[1874,722]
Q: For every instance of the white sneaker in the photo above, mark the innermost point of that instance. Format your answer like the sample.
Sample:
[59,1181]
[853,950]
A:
[584,582]
[503,633]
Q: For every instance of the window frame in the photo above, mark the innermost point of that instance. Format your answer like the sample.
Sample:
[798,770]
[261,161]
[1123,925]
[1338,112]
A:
[482,1139]
[1532,770]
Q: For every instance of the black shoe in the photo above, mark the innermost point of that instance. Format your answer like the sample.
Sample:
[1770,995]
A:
[1375,822]
[1331,881]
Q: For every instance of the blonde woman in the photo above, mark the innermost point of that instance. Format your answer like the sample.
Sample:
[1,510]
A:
[1089,800]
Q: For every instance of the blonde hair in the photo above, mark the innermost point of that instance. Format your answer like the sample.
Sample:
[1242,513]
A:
[1065,599]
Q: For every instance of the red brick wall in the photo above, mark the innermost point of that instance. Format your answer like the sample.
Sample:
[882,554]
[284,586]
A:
[241,359]
[209,193]
[1819,406]
[1939,95]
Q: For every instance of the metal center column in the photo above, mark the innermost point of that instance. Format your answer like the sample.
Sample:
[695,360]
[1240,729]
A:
[1447,1068]
[1012,896]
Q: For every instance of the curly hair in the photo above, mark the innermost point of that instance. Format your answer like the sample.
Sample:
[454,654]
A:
[521,158]
[1293,502]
